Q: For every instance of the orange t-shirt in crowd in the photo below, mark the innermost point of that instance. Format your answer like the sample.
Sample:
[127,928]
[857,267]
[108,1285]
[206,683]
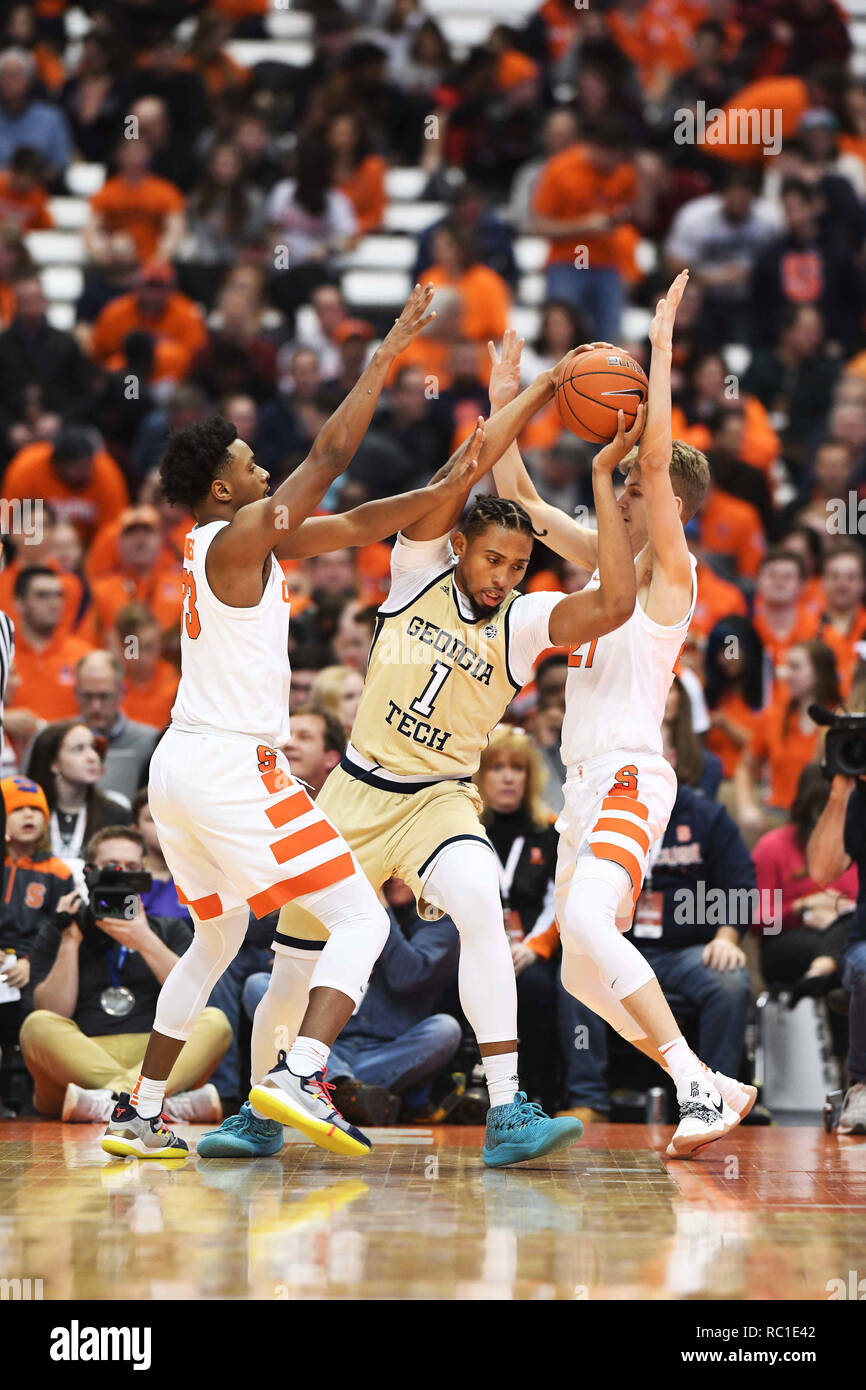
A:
[365,189]
[731,526]
[181,323]
[843,645]
[47,678]
[151,702]
[569,187]
[484,298]
[719,741]
[560,19]
[70,584]
[139,208]
[785,751]
[813,596]
[160,591]
[657,40]
[29,212]
[717,598]
[543,430]
[103,555]
[30,474]
[790,95]
[374,570]
[761,444]
[804,627]
[218,73]
[7,304]
[433,357]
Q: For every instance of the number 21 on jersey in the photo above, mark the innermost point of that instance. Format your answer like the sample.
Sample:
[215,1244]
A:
[580,657]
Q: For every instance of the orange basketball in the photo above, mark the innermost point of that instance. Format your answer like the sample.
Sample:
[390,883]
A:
[593,387]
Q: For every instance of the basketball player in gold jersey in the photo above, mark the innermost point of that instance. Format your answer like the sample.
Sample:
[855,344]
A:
[454,643]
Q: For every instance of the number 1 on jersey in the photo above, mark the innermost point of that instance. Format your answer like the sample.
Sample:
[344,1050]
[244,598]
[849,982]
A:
[427,699]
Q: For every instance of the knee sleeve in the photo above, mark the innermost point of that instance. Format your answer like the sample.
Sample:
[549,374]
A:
[278,1015]
[358,926]
[188,987]
[588,926]
[581,978]
[464,883]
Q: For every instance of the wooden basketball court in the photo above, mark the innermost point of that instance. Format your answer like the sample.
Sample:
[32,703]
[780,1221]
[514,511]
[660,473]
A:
[769,1214]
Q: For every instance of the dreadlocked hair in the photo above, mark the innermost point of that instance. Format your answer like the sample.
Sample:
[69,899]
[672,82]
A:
[193,457]
[498,511]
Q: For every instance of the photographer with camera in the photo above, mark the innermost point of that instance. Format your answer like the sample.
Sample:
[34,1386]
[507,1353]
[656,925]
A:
[839,840]
[96,972]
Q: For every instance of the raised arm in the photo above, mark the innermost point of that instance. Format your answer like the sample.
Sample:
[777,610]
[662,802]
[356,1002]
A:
[593,612]
[373,521]
[500,431]
[671,585]
[256,529]
[562,533]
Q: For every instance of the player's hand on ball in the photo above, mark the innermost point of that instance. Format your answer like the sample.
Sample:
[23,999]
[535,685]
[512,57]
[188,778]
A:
[414,317]
[504,370]
[661,330]
[555,372]
[612,455]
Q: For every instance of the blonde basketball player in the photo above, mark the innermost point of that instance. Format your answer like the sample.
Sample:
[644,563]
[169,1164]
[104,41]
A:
[454,642]
[238,831]
[619,790]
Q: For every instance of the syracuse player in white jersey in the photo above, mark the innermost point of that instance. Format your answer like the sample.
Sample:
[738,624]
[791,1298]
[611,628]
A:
[619,790]
[238,831]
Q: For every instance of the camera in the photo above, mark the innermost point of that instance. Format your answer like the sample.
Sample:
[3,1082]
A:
[113,892]
[845,745]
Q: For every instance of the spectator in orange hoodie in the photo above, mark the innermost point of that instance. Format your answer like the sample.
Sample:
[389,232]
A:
[150,209]
[484,296]
[154,307]
[358,172]
[82,483]
[45,655]
[151,682]
[139,576]
[58,548]
[781,617]
[23,196]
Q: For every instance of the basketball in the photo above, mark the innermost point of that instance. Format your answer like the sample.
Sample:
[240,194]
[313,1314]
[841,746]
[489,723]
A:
[593,387]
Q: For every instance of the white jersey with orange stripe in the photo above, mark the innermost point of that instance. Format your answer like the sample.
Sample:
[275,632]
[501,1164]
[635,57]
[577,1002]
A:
[617,685]
[235,671]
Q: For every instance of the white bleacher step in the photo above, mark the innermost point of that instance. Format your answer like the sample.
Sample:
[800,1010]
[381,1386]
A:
[647,256]
[635,323]
[61,316]
[737,357]
[70,214]
[56,248]
[530,252]
[512,13]
[413,217]
[385,252]
[61,282]
[83,180]
[467,30]
[525,321]
[297,53]
[405,185]
[283,23]
[375,288]
[532,289]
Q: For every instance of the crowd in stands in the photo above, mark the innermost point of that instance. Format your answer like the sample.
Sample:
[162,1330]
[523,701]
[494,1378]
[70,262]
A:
[215,281]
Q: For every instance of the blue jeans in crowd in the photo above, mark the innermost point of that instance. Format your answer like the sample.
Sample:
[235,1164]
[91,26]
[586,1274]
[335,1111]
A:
[402,1065]
[583,1043]
[854,980]
[226,995]
[597,293]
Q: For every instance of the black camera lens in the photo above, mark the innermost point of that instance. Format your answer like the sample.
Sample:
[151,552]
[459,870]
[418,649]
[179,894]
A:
[851,755]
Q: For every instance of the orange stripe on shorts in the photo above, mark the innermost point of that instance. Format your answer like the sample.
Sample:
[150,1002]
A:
[625,827]
[301,840]
[623,857]
[276,781]
[288,809]
[205,908]
[323,876]
[624,803]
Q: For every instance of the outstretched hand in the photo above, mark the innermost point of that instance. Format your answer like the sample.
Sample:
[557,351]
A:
[413,318]
[504,370]
[661,330]
[612,455]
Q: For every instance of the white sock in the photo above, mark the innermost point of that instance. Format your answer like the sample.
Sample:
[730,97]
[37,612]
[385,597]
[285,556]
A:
[502,1079]
[148,1097]
[682,1063]
[307,1056]
[729,1089]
